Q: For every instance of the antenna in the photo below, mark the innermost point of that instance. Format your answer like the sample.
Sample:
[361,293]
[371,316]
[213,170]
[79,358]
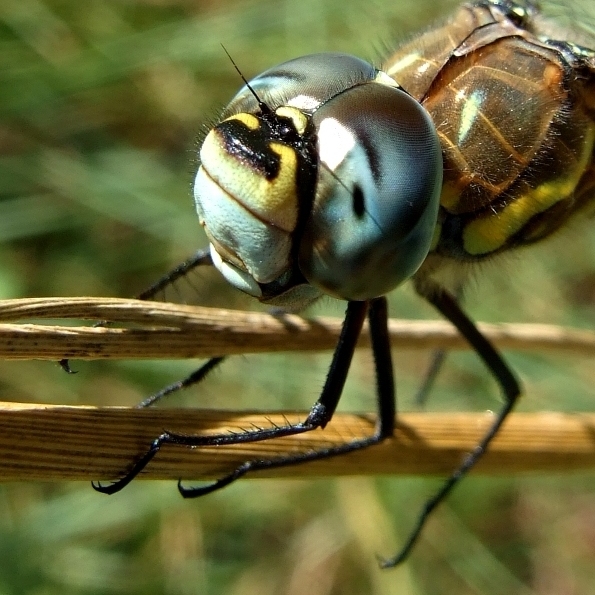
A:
[264,108]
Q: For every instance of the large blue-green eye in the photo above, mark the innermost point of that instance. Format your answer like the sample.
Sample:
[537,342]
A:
[377,196]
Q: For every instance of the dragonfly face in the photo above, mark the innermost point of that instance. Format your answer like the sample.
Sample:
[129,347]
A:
[307,193]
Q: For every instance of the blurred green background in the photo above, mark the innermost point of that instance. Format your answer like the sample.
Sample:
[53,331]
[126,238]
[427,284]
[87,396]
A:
[101,106]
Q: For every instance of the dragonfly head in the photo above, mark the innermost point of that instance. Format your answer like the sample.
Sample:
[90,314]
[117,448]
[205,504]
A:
[323,177]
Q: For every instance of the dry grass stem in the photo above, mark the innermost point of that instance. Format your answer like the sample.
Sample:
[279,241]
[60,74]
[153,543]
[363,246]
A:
[155,330]
[45,442]
[55,442]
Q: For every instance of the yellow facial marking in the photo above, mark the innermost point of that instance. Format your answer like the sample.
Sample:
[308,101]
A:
[300,121]
[248,120]
[274,201]
[278,198]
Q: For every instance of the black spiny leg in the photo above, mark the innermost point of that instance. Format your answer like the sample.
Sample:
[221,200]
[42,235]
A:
[193,378]
[324,408]
[201,258]
[319,416]
[430,376]
[447,305]
[436,363]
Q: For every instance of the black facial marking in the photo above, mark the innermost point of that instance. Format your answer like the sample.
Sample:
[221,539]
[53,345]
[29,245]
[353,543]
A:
[250,147]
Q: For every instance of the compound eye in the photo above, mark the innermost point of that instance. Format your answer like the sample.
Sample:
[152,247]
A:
[377,197]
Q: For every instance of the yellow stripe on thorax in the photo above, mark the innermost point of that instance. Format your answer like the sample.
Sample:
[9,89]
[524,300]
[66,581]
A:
[489,233]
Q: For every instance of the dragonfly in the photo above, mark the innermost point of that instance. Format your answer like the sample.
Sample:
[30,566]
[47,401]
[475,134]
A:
[328,176]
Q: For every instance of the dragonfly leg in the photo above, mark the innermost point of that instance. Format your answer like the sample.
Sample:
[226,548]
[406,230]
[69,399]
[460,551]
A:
[193,378]
[385,394]
[319,416]
[437,360]
[447,305]
[201,258]
[434,368]
[139,465]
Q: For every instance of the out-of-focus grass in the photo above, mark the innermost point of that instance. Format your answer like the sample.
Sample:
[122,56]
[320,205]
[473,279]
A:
[100,108]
